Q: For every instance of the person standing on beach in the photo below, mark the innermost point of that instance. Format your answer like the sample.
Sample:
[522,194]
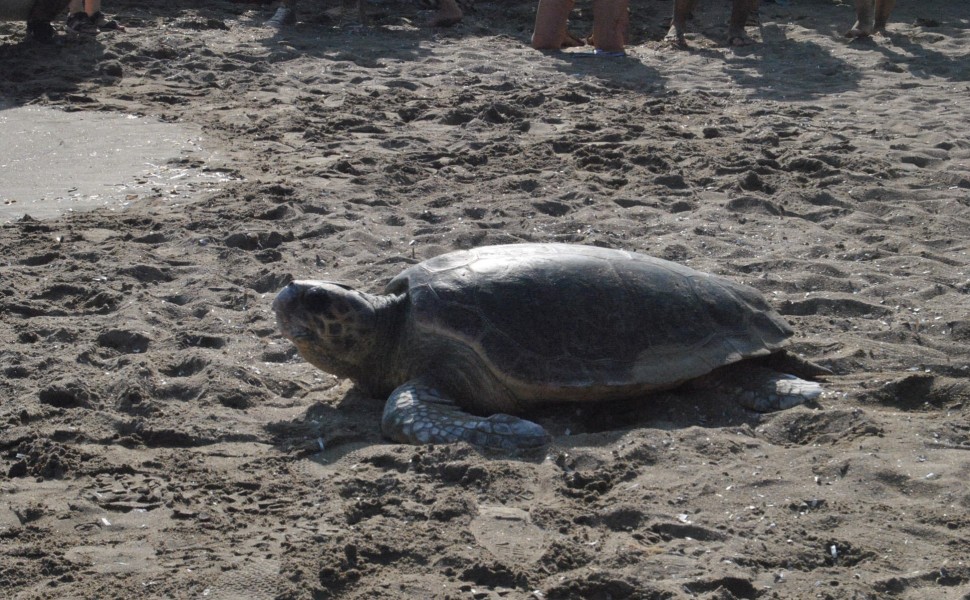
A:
[448,14]
[84,17]
[610,19]
[39,27]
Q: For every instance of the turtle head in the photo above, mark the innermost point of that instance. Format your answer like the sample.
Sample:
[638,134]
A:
[333,326]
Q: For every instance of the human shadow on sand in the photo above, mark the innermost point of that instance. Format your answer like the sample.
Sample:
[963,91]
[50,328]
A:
[623,71]
[781,67]
[415,41]
[908,44]
[793,71]
[30,70]
[919,58]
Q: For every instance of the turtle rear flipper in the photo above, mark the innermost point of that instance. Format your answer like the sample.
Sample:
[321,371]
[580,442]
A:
[416,413]
[766,390]
[759,388]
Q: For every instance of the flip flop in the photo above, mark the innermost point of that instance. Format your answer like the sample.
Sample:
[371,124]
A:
[597,53]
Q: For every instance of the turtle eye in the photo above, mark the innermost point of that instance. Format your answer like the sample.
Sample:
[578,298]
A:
[316,300]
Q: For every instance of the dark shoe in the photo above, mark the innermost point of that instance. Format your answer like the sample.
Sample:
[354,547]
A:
[103,23]
[284,16]
[80,23]
[40,31]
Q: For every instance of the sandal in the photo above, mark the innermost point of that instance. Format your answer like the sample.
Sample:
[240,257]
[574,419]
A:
[103,23]
[80,23]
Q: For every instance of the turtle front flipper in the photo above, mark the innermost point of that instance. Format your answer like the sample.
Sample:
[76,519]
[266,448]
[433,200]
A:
[416,413]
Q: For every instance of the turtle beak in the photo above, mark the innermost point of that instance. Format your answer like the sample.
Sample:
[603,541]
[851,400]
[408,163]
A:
[284,300]
[286,306]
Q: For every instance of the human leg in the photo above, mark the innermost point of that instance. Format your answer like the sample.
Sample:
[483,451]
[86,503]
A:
[40,31]
[93,9]
[883,8]
[864,17]
[550,29]
[449,13]
[284,15]
[683,9]
[39,19]
[610,20]
[78,20]
[740,11]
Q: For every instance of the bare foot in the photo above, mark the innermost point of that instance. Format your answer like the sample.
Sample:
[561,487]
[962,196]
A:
[573,41]
[859,31]
[739,41]
[737,37]
[676,39]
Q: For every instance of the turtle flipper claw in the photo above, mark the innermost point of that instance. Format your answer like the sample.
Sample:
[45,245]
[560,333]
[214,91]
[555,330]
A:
[419,414]
[504,432]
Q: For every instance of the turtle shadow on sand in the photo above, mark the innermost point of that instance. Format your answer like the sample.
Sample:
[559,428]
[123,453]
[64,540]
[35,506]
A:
[675,409]
[327,425]
[690,405]
[336,428]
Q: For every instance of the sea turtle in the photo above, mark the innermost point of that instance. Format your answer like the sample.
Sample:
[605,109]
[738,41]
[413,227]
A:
[499,329]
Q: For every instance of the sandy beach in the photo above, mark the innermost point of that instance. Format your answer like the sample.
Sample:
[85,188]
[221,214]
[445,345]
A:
[161,439]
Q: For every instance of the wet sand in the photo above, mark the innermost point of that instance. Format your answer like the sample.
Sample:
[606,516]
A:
[160,439]
[60,161]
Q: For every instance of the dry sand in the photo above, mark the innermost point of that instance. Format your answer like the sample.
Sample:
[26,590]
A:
[161,440]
